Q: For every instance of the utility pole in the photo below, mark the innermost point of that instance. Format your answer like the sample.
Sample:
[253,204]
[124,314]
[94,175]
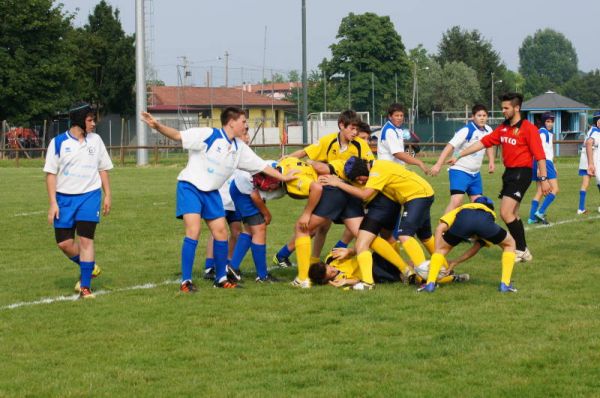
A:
[140,83]
[226,69]
[349,101]
[304,79]
[373,94]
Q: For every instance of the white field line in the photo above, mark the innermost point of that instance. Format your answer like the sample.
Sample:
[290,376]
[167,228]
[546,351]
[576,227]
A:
[51,300]
[31,213]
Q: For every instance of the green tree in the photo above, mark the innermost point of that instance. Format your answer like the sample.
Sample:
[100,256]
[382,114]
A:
[36,72]
[449,87]
[293,76]
[369,52]
[584,88]
[547,61]
[472,49]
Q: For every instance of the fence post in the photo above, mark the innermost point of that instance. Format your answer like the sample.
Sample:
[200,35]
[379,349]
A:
[155,155]
[17,157]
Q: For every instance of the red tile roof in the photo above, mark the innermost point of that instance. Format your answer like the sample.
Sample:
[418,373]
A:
[270,87]
[171,97]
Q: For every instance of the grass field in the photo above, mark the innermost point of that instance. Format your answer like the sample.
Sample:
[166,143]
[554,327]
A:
[273,340]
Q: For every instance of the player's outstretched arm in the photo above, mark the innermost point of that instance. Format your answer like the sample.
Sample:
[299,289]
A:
[470,252]
[314,196]
[335,181]
[406,158]
[289,176]
[447,151]
[167,131]
[300,153]
[476,146]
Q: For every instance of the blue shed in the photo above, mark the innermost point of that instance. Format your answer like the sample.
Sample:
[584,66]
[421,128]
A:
[570,121]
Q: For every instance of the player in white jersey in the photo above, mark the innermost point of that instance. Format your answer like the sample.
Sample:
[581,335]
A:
[76,167]
[465,176]
[591,147]
[390,145]
[537,213]
[213,156]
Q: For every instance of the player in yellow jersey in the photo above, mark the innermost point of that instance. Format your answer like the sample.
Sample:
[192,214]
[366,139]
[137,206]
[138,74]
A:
[387,186]
[472,221]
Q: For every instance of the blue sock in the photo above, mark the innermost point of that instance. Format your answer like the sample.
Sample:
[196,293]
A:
[582,200]
[209,263]
[340,244]
[284,252]
[239,251]
[75,259]
[188,253]
[86,267]
[534,206]
[259,254]
[547,202]
[220,249]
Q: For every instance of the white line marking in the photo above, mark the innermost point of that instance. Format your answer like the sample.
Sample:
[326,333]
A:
[159,203]
[569,221]
[32,213]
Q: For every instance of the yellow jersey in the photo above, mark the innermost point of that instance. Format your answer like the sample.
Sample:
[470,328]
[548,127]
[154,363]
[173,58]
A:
[328,148]
[396,182]
[348,268]
[337,167]
[450,217]
[300,187]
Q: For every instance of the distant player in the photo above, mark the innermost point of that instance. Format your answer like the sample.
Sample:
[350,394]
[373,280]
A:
[465,177]
[537,213]
[591,147]
[76,168]
[213,156]
[471,221]
[391,139]
[520,143]
[363,131]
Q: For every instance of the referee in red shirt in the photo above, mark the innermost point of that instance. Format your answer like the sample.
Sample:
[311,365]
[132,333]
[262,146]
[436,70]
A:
[520,143]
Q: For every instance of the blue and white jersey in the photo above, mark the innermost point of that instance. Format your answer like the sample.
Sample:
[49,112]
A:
[243,181]
[583,162]
[76,164]
[462,139]
[213,158]
[226,196]
[546,137]
[391,141]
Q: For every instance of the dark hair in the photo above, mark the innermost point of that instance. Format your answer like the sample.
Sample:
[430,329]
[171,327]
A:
[79,112]
[231,113]
[478,107]
[516,99]
[317,272]
[396,107]
[348,117]
[356,167]
[364,127]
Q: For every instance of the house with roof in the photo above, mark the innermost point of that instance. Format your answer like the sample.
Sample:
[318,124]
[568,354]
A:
[570,117]
[185,107]
[276,90]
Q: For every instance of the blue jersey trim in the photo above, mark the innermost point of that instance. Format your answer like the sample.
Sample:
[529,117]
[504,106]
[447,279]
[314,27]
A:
[216,134]
[58,141]
[545,131]
[387,126]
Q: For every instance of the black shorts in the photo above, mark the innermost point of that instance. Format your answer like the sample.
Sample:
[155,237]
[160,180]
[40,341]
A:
[255,219]
[415,219]
[384,271]
[232,216]
[337,205]
[384,211]
[515,182]
[474,223]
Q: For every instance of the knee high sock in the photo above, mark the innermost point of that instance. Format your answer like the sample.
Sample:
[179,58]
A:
[518,233]
[75,259]
[437,260]
[209,263]
[303,256]
[534,207]
[188,253]
[239,251]
[86,268]
[547,202]
[284,252]
[385,250]
[414,251]
[508,262]
[259,254]
[582,200]
[220,249]
[365,263]
[429,244]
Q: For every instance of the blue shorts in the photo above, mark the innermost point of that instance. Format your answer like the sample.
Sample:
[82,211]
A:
[80,207]
[233,216]
[583,173]
[243,202]
[191,200]
[550,170]
[462,182]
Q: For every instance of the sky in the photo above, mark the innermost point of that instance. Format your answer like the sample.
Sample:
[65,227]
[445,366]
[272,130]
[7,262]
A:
[203,31]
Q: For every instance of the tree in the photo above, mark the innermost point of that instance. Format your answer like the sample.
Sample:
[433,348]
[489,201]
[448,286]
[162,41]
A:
[368,52]
[449,87]
[472,49]
[584,88]
[547,61]
[293,76]
[35,61]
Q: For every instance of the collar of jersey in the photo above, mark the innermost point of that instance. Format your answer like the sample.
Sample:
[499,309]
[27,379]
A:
[234,142]
[476,126]
[393,125]
[74,138]
[518,124]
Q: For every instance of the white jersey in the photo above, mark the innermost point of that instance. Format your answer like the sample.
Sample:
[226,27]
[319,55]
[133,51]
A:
[76,164]
[243,181]
[391,141]
[462,139]
[546,137]
[213,158]
[226,196]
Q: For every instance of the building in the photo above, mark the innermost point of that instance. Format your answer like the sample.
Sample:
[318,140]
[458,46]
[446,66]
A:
[279,91]
[570,117]
[184,107]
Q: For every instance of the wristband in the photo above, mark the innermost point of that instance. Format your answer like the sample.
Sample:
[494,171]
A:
[543,178]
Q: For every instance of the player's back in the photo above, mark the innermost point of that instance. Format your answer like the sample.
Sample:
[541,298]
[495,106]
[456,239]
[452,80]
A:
[300,187]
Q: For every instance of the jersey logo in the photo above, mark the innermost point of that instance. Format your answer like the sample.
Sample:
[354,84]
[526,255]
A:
[508,140]
[68,150]
[91,150]
[518,194]
[516,132]
[210,170]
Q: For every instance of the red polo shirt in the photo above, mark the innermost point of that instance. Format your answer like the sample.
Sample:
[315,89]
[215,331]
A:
[521,143]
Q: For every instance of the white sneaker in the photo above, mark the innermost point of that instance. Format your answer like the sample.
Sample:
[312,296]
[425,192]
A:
[523,256]
[305,284]
[580,212]
[363,286]
[598,209]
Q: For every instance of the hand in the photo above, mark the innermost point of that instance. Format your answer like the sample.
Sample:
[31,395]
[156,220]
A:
[283,157]
[435,170]
[268,217]
[290,175]
[107,205]
[452,161]
[150,120]
[303,221]
[53,213]
[591,170]
[491,168]
[546,188]
[330,180]
[340,253]
[425,169]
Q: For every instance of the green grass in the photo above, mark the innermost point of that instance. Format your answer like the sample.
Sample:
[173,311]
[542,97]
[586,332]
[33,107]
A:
[277,341]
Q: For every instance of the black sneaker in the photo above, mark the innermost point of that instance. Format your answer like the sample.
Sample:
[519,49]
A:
[188,287]
[233,275]
[282,262]
[209,273]
[267,279]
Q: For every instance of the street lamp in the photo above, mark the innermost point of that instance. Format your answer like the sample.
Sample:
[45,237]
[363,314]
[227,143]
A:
[492,104]
[415,95]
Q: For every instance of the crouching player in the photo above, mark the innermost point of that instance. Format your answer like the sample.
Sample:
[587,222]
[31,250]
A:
[77,165]
[471,221]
